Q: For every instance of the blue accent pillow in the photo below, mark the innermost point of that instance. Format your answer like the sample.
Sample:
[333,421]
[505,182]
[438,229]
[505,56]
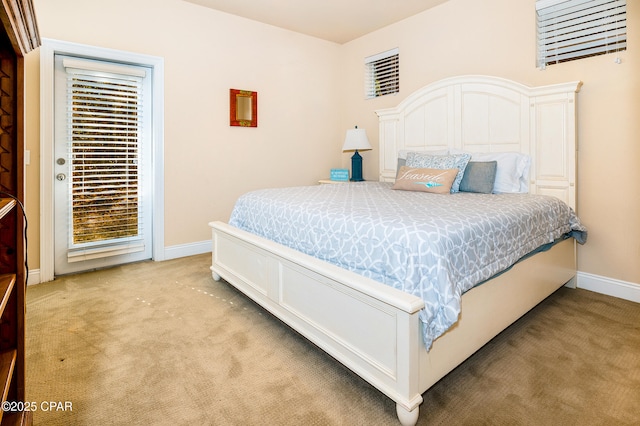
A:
[428,161]
[479,176]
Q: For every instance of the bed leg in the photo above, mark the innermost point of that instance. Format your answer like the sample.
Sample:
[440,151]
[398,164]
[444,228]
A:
[407,418]
[572,283]
[215,276]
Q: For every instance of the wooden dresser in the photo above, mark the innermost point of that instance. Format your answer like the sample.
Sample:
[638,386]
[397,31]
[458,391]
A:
[18,36]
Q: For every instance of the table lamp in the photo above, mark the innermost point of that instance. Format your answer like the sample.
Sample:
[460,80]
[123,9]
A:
[356,139]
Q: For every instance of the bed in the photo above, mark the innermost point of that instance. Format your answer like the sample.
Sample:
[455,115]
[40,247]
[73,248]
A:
[335,306]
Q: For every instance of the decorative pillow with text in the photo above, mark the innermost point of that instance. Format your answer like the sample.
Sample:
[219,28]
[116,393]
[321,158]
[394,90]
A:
[437,181]
[459,161]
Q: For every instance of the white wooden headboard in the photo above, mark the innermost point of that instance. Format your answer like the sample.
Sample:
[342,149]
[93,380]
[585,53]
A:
[489,114]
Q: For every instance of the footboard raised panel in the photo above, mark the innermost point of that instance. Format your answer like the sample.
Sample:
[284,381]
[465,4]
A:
[371,328]
[329,307]
[248,264]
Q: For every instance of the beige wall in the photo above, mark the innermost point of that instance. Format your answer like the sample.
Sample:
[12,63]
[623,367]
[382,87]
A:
[206,53]
[310,91]
[497,37]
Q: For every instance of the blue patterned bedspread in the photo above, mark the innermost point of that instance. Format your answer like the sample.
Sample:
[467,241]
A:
[434,246]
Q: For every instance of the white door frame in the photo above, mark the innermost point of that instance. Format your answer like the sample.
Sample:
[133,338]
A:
[47,51]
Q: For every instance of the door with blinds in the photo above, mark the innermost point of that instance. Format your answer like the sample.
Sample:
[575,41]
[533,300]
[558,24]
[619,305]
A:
[102,164]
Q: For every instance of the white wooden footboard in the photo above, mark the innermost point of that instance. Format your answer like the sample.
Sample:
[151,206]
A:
[369,327]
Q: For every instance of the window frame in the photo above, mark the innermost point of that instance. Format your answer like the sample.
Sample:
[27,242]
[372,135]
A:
[382,74]
[568,30]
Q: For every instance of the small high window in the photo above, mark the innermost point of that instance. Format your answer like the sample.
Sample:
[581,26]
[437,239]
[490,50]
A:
[575,29]
[382,74]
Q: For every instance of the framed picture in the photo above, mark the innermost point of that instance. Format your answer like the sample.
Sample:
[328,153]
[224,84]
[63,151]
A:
[243,107]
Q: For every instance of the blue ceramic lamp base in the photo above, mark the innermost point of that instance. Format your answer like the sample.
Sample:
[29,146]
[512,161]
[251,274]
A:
[356,167]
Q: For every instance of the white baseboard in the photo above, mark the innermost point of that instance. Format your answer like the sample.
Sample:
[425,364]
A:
[34,276]
[173,252]
[184,250]
[609,286]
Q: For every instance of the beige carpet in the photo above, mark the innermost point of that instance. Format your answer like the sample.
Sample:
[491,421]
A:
[164,344]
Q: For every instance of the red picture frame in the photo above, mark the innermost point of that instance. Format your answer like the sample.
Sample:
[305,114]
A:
[243,108]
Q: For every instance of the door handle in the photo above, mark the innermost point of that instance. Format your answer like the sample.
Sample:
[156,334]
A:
[61,176]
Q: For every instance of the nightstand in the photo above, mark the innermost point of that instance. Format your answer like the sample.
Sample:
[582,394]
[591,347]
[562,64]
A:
[329,181]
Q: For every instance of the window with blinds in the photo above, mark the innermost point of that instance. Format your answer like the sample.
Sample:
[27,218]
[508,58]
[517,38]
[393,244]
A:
[382,74]
[575,29]
[104,127]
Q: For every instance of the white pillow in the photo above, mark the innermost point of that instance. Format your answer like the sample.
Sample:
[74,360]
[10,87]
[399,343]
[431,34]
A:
[512,173]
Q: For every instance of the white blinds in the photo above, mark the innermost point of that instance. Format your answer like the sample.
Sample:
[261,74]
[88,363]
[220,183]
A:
[573,29]
[104,128]
[382,74]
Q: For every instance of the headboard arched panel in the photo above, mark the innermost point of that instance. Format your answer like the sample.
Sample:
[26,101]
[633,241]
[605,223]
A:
[489,114]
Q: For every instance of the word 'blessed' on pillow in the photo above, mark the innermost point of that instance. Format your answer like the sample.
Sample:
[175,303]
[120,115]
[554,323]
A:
[437,181]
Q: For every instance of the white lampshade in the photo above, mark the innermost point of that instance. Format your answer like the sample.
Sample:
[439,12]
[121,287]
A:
[356,139]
